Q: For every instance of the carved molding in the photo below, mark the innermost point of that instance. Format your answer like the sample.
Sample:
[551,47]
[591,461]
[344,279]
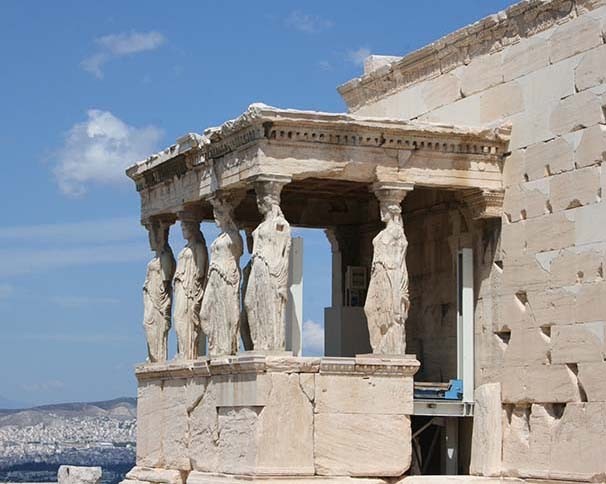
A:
[219,148]
[484,203]
[491,34]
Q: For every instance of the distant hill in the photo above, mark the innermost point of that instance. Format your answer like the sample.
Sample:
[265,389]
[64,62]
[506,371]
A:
[6,403]
[119,408]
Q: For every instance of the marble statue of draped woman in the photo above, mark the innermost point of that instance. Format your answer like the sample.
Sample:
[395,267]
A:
[387,300]
[189,283]
[220,311]
[267,289]
[157,293]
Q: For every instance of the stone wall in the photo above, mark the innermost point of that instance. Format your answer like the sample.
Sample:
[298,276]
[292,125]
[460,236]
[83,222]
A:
[256,416]
[541,294]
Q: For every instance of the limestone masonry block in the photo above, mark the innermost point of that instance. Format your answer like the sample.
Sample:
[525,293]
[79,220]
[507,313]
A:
[500,102]
[580,458]
[362,445]
[573,189]
[237,428]
[203,424]
[150,424]
[514,168]
[372,395]
[527,347]
[541,441]
[583,342]
[482,73]
[591,149]
[527,56]
[486,443]
[155,475]
[463,111]
[175,441]
[574,37]
[285,440]
[576,112]
[539,383]
[441,91]
[548,158]
[590,71]
[590,224]
[79,475]
[591,302]
[535,198]
[550,232]
[591,377]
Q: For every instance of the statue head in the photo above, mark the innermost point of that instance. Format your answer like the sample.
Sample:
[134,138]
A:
[190,230]
[222,211]
[158,235]
[391,211]
[268,196]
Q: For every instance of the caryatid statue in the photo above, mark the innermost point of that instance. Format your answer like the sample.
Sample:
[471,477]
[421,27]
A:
[387,300]
[220,311]
[189,284]
[267,289]
[157,291]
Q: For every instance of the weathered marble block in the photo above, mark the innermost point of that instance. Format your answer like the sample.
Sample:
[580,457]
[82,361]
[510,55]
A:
[253,416]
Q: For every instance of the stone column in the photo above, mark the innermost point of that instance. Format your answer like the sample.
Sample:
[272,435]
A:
[387,301]
[157,290]
[220,311]
[267,290]
[189,284]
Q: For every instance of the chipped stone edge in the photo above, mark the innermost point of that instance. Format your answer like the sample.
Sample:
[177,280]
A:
[488,35]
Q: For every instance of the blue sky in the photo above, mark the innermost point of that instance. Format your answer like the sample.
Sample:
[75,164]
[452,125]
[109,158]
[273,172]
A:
[89,87]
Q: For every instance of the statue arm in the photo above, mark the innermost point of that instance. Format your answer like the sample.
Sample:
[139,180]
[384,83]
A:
[282,260]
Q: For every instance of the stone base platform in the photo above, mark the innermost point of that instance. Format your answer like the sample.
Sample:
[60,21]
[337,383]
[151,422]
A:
[265,416]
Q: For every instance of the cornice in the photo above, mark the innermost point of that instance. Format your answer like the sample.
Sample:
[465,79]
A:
[288,127]
[490,34]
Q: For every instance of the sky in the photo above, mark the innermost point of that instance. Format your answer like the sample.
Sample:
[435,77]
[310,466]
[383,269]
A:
[86,89]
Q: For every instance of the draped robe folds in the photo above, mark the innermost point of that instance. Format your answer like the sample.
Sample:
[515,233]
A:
[189,281]
[387,300]
[220,311]
[267,291]
[157,295]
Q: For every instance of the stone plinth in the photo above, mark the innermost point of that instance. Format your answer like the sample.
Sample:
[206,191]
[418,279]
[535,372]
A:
[257,416]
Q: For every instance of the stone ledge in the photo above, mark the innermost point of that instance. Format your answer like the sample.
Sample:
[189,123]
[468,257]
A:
[488,35]
[254,363]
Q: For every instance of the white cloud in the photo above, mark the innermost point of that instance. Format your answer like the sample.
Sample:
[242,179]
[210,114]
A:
[6,291]
[114,46]
[310,24]
[99,150]
[358,56]
[46,386]
[313,338]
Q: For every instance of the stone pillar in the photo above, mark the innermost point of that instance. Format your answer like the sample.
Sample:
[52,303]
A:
[188,286]
[220,311]
[157,290]
[387,301]
[267,290]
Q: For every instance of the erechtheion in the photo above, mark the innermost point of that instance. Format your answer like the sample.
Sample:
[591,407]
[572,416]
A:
[462,198]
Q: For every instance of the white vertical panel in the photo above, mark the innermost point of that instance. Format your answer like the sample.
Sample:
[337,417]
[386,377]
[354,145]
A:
[465,323]
[294,307]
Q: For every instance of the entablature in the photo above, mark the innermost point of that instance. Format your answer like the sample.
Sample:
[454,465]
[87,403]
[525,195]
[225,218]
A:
[321,146]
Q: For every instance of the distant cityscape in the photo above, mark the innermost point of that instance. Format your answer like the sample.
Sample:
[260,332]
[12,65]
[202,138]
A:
[35,442]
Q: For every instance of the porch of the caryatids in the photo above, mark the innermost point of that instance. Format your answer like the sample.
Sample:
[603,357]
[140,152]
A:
[387,300]
[189,284]
[157,291]
[267,289]
[220,310]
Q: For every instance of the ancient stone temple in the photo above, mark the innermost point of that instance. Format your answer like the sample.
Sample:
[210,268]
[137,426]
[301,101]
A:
[462,198]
